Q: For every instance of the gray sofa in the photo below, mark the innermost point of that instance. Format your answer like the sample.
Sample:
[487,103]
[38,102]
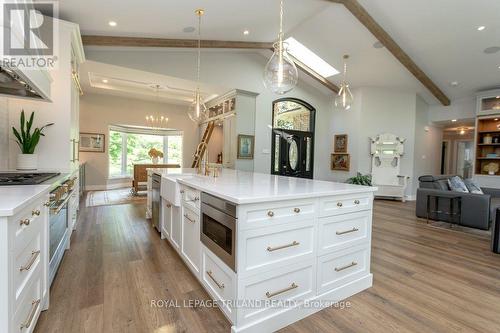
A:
[478,210]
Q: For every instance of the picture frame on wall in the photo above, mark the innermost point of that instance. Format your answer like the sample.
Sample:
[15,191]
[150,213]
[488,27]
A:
[245,146]
[92,142]
[340,143]
[341,162]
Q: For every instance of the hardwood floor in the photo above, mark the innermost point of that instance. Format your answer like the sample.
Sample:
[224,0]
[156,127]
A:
[425,280]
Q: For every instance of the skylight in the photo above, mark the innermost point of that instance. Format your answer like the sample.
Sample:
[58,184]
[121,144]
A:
[309,58]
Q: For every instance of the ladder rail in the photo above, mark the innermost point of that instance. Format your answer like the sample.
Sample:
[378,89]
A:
[200,149]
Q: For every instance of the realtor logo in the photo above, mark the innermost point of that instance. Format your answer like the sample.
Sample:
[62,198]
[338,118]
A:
[29,29]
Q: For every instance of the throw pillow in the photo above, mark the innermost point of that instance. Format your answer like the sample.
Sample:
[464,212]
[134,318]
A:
[472,186]
[457,184]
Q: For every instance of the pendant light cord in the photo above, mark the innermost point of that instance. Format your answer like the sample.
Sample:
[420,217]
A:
[280,37]
[199,52]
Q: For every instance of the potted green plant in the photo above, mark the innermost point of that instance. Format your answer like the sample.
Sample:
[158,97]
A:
[359,179]
[27,139]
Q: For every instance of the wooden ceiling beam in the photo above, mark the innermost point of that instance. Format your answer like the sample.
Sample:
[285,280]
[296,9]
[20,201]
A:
[193,43]
[367,20]
[174,43]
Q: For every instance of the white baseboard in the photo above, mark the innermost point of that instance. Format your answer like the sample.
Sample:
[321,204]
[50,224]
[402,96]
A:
[107,187]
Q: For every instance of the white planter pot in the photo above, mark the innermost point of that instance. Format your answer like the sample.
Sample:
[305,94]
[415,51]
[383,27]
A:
[27,161]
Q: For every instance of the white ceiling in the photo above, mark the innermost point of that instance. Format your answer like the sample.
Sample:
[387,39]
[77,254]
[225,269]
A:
[440,36]
[103,78]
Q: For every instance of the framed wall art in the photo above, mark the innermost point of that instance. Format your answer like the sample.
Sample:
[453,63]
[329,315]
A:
[92,142]
[340,143]
[340,162]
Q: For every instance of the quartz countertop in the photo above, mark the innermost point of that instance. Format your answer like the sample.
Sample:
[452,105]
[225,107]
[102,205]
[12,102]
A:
[13,198]
[241,187]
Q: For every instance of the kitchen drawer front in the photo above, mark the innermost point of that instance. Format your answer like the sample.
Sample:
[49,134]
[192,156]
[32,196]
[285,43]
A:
[28,309]
[343,204]
[191,197]
[191,243]
[26,224]
[294,283]
[219,280]
[272,247]
[254,216]
[340,231]
[25,264]
[339,268]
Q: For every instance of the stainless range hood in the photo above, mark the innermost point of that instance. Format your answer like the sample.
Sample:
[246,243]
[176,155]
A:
[15,85]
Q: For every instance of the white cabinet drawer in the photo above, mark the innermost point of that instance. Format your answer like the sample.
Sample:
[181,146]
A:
[343,204]
[28,310]
[293,283]
[219,280]
[339,268]
[191,244]
[25,265]
[191,198]
[340,231]
[26,224]
[271,247]
[254,216]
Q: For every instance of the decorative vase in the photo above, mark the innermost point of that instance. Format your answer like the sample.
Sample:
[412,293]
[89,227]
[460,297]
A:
[27,161]
[155,160]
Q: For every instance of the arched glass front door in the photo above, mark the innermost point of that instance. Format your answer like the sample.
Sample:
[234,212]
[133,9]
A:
[293,138]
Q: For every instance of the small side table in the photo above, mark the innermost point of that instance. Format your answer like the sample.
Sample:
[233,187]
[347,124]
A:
[454,201]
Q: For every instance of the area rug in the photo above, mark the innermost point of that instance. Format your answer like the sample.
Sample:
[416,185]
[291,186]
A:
[114,197]
[454,227]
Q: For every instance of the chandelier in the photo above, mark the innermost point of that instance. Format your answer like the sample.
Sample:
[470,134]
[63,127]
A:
[344,97]
[157,121]
[280,73]
[197,109]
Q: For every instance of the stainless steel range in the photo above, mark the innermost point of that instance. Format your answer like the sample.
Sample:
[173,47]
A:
[25,178]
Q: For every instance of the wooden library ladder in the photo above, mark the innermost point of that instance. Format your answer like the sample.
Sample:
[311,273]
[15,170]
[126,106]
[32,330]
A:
[200,150]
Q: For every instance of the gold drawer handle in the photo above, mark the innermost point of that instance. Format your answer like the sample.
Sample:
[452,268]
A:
[35,213]
[356,202]
[47,204]
[182,191]
[347,231]
[220,285]
[34,307]
[270,213]
[169,206]
[292,286]
[352,264]
[30,263]
[25,222]
[189,219]
[271,249]
[296,210]
[339,204]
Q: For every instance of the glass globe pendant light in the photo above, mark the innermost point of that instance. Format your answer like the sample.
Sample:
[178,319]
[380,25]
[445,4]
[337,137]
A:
[197,109]
[344,98]
[280,73]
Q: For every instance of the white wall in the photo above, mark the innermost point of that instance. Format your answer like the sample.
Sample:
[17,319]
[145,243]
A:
[4,134]
[97,112]
[428,141]
[464,108]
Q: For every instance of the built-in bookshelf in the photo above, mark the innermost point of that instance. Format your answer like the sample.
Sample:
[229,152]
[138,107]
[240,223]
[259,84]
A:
[487,144]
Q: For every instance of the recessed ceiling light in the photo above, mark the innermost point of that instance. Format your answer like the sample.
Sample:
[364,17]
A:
[378,45]
[112,23]
[496,119]
[454,83]
[481,28]
[246,32]
[453,120]
[104,80]
[498,97]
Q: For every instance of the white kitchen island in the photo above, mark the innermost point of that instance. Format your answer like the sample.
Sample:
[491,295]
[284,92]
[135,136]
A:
[299,245]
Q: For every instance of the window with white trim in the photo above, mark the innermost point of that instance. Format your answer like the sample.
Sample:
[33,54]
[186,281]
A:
[129,146]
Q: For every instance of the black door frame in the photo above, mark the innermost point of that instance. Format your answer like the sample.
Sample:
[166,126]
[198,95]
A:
[312,126]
